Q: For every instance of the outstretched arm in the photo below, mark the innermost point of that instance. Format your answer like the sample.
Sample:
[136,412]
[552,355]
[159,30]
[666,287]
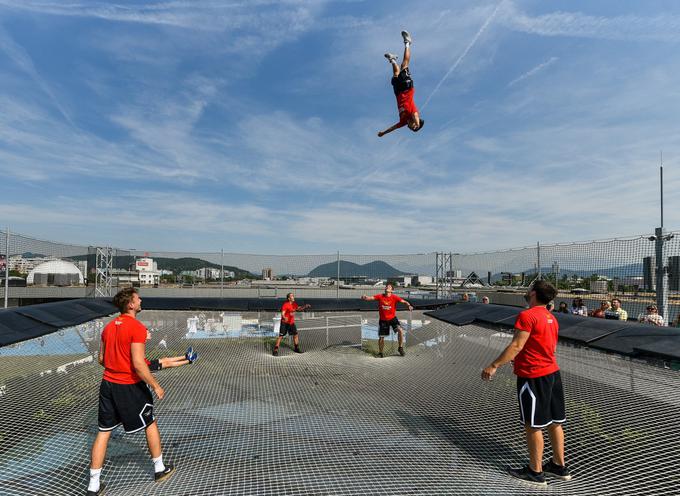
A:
[407,304]
[390,129]
[367,298]
[508,354]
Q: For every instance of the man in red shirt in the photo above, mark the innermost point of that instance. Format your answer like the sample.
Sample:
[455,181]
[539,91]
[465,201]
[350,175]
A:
[387,310]
[124,395]
[404,90]
[539,384]
[288,310]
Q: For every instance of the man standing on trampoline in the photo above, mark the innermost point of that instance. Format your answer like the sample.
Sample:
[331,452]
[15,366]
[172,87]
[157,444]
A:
[288,326]
[124,395]
[387,311]
[539,384]
[404,90]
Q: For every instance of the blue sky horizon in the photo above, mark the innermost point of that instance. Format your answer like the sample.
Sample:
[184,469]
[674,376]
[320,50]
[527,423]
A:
[251,126]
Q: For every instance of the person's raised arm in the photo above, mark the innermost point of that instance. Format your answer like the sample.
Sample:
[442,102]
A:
[138,351]
[508,354]
[367,298]
[390,129]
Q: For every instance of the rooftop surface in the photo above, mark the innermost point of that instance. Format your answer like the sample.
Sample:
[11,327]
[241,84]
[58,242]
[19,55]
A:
[334,420]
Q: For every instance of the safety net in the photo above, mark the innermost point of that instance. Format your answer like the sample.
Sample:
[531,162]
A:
[335,420]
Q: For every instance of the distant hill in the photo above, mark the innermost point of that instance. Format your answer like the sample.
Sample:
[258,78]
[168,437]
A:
[375,270]
[176,265]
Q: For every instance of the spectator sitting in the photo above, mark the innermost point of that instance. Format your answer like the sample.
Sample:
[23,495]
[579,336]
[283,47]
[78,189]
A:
[485,300]
[550,306]
[563,307]
[616,312]
[578,308]
[652,317]
[599,312]
[465,298]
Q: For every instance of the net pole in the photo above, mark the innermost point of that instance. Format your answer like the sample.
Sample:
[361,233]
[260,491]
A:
[222,273]
[6,266]
[337,285]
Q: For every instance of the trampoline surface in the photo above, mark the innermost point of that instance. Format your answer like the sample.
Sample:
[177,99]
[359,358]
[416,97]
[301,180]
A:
[334,420]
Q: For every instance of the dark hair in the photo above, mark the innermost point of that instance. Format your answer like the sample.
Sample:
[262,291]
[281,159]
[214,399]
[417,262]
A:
[616,299]
[123,298]
[544,291]
[422,123]
[288,295]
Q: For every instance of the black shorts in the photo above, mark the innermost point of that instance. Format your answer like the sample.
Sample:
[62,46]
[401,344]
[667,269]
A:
[287,328]
[127,404]
[541,400]
[402,82]
[384,326]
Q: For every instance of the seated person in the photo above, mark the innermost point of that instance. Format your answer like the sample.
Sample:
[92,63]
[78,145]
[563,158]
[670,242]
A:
[168,362]
[616,312]
[578,308]
[598,313]
[562,307]
[651,317]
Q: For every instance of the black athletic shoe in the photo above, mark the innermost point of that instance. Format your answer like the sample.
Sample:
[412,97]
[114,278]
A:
[402,352]
[298,350]
[559,471]
[164,474]
[528,475]
[97,493]
[380,355]
[275,352]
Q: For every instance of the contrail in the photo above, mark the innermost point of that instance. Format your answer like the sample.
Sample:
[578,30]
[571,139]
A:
[465,52]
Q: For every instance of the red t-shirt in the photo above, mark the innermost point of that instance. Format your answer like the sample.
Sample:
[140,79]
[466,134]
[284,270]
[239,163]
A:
[288,312]
[406,106]
[387,305]
[537,358]
[117,337]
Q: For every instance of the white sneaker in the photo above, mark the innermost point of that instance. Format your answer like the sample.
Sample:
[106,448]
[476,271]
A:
[391,57]
[406,36]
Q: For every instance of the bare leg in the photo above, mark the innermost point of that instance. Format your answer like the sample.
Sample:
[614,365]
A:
[535,445]
[395,68]
[278,342]
[296,340]
[400,333]
[407,56]
[381,343]
[153,440]
[99,449]
[556,435]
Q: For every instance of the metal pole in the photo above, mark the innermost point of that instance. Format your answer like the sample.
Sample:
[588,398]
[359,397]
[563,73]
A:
[538,260]
[661,188]
[222,273]
[337,285]
[661,274]
[326,331]
[6,266]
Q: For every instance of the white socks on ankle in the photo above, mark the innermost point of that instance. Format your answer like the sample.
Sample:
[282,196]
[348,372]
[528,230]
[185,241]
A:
[94,480]
[158,464]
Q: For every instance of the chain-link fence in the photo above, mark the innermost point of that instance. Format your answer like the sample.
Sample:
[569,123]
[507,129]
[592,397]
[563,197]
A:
[641,271]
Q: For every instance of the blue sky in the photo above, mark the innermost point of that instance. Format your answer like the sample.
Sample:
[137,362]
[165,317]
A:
[250,126]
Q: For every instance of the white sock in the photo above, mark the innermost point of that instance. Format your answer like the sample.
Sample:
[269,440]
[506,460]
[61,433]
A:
[158,464]
[407,44]
[94,479]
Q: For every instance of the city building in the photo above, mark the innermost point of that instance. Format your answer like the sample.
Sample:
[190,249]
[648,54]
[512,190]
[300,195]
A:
[147,271]
[267,274]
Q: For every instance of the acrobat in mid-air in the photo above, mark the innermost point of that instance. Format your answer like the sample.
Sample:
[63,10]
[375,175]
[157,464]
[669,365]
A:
[404,90]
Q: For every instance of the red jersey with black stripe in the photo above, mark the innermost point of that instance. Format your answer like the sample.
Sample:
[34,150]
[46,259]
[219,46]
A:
[117,339]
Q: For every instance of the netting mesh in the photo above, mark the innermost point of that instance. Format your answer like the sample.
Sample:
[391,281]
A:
[334,420]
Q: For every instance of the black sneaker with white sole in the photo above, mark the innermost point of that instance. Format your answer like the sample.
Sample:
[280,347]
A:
[297,350]
[527,475]
[406,36]
[380,355]
[275,352]
[401,351]
[164,474]
[560,471]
